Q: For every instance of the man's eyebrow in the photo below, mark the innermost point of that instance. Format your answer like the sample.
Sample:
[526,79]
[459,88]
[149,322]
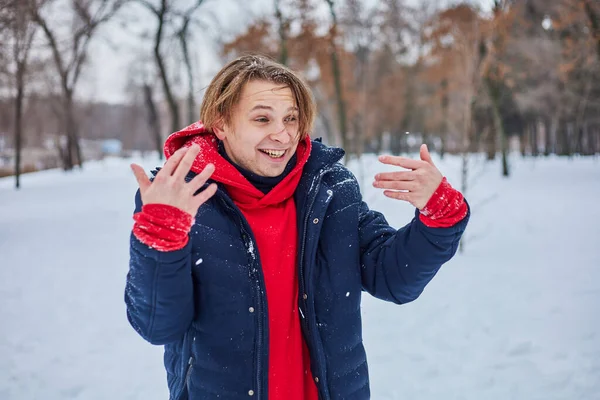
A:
[263,107]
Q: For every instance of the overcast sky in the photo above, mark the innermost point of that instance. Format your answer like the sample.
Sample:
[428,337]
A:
[115,51]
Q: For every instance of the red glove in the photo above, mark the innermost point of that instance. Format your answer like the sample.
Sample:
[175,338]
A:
[445,208]
[162,227]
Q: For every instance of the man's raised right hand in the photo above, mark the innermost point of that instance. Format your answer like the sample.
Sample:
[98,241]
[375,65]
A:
[169,186]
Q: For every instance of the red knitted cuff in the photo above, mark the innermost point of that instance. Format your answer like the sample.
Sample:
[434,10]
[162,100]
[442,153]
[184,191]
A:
[445,208]
[162,227]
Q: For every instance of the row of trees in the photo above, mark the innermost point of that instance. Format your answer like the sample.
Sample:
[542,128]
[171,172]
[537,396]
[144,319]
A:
[462,79]
[21,21]
[471,79]
[45,45]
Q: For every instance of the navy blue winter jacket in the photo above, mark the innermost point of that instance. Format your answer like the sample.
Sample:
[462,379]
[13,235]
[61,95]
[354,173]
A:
[206,302]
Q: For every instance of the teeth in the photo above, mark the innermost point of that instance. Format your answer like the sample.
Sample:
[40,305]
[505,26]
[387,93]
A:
[274,153]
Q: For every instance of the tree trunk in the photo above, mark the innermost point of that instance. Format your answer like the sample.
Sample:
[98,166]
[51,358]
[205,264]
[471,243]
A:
[524,141]
[162,69]
[153,120]
[555,127]
[563,139]
[283,49]
[490,143]
[396,147]
[586,148]
[337,76]
[445,102]
[594,22]
[19,122]
[73,151]
[377,142]
[427,141]
[23,33]
[580,140]
[534,138]
[498,124]
[547,137]
[504,145]
[191,107]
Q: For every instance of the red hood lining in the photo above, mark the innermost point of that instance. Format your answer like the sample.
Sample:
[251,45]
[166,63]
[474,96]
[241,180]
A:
[242,191]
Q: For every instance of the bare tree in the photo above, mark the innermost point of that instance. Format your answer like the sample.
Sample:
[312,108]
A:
[70,55]
[359,26]
[183,35]
[23,32]
[5,23]
[282,30]
[592,10]
[457,37]
[16,36]
[169,18]
[337,74]
[496,71]
[153,118]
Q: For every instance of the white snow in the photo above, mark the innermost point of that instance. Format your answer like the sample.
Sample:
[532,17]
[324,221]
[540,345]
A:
[251,250]
[514,317]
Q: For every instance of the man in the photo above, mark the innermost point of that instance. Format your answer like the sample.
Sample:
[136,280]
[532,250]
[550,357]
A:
[252,246]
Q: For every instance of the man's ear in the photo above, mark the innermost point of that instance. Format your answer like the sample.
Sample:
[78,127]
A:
[219,129]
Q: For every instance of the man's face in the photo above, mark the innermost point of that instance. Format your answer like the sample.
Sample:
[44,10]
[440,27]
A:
[263,134]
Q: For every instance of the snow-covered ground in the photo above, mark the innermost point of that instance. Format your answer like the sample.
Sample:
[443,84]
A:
[517,316]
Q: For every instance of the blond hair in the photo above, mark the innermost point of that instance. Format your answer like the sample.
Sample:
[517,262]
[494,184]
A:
[224,91]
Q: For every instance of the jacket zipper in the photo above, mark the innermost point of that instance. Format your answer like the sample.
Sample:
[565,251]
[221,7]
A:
[301,272]
[308,209]
[256,271]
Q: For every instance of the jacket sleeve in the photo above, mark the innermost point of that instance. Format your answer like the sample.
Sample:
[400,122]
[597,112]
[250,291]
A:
[159,290]
[396,265]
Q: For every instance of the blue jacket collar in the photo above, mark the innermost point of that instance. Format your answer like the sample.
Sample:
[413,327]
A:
[322,156]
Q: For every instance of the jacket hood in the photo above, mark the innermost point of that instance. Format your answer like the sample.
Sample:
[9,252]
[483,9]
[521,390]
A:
[242,192]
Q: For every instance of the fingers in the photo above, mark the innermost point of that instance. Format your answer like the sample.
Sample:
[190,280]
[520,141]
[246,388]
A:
[186,163]
[206,194]
[401,162]
[200,179]
[173,161]
[405,196]
[141,177]
[396,185]
[424,153]
[396,176]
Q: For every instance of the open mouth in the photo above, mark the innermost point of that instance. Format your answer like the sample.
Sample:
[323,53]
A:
[274,153]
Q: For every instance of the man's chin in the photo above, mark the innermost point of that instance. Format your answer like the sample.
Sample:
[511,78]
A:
[270,172]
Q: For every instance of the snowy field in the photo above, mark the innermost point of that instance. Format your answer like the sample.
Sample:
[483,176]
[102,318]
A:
[516,316]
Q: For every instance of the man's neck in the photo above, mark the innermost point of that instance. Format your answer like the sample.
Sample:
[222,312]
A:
[262,183]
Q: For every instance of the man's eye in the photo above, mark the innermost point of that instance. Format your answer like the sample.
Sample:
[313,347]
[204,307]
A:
[261,119]
[291,119]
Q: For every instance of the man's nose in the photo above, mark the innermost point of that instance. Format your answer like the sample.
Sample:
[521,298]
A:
[281,134]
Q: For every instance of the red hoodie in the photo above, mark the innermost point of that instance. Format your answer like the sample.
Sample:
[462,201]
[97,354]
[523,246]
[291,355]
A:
[272,218]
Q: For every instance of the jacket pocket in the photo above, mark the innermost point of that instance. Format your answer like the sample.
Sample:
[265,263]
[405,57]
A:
[185,388]
[188,374]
